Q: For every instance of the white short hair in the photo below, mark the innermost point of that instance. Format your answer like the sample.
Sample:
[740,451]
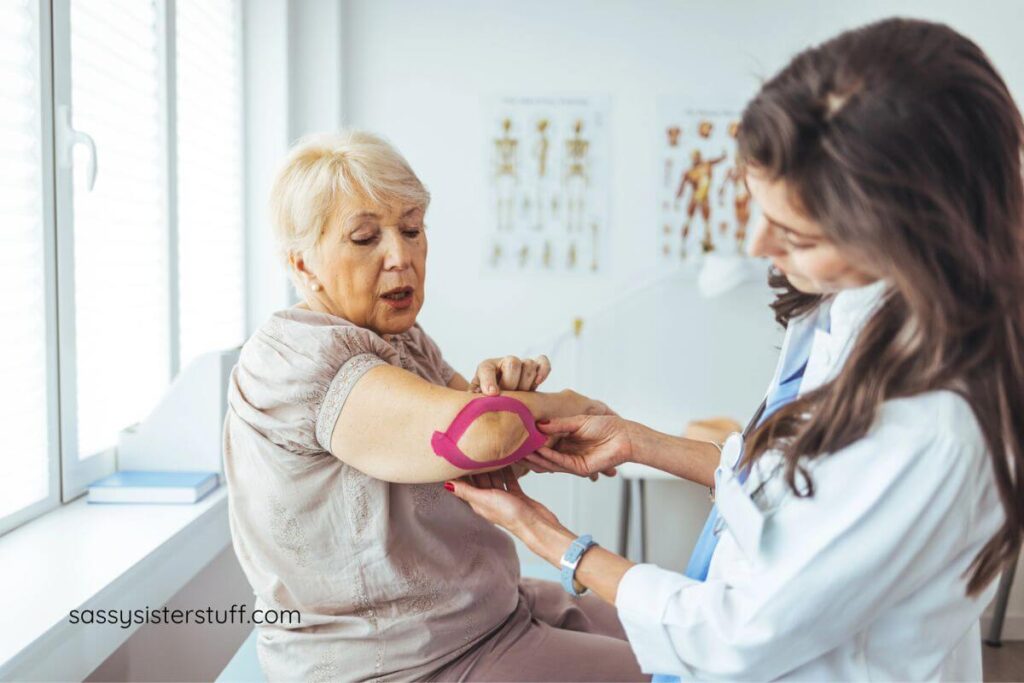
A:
[324,170]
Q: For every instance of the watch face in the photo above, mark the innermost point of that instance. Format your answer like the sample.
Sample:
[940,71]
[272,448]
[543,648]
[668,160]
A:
[732,451]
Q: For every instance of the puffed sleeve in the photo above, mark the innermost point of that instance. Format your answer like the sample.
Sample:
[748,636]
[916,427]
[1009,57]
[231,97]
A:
[891,513]
[294,375]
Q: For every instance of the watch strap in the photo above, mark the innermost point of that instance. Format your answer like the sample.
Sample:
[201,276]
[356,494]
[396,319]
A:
[571,559]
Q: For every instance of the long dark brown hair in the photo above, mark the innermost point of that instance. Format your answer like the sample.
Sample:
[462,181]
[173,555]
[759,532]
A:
[903,142]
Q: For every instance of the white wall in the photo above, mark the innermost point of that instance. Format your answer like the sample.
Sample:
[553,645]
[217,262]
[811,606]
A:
[187,652]
[417,72]
[293,86]
[266,65]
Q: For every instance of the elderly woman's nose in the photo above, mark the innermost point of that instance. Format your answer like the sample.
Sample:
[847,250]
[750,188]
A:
[397,251]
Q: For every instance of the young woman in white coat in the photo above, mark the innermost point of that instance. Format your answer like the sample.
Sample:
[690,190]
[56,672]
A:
[862,519]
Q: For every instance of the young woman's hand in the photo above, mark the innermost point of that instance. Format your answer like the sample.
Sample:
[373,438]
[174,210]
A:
[510,374]
[587,445]
[505,505]
[498,478]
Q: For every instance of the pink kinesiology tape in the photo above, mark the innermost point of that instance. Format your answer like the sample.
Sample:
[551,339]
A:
[445,444]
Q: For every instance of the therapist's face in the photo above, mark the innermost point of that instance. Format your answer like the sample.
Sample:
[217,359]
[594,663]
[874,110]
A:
[796,244]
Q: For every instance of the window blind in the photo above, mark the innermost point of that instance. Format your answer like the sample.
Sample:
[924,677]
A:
[24,458]
[122,350]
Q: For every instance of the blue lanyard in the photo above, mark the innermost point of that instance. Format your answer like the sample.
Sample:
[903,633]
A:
[783,393]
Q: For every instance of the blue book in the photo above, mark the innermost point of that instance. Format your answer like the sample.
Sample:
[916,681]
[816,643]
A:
[152,487]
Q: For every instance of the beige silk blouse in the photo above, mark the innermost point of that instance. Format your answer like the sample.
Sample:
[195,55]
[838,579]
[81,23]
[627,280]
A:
[390,580]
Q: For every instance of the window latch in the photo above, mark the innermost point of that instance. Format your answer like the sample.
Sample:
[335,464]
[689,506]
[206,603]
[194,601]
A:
[67,138]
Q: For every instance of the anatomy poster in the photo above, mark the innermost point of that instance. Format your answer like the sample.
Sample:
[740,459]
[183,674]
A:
[547,176]
[704,206]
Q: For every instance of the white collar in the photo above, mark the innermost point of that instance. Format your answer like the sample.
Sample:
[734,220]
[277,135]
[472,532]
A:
[850,310]
[829,343]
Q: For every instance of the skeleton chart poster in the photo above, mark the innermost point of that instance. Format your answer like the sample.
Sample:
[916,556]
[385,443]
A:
[703,203]
[547,176]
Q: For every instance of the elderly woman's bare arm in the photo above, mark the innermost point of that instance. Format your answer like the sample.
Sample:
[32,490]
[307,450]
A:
[386,424]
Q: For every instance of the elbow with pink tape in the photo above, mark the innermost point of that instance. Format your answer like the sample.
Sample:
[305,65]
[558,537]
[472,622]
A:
[445,444]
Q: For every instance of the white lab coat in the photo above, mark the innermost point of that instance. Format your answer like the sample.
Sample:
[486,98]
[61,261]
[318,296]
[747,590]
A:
[864,581]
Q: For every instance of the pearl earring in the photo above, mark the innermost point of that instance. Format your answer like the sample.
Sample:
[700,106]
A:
[315,286]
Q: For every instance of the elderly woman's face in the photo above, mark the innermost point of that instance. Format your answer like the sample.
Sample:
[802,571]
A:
[371,265]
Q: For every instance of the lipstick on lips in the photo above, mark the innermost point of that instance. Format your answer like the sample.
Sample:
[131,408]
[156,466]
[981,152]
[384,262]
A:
[398,298]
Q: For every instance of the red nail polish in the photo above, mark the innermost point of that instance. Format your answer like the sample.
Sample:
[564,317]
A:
[450,486]
[543,422]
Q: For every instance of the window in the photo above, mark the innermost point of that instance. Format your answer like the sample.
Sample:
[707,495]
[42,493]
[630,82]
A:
[25,305]
[119,349]
[210,246]
[121,251]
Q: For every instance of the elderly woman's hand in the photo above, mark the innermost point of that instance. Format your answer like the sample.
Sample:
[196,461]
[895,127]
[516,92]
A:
[510,374]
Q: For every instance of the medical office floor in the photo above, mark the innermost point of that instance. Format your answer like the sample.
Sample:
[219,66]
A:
[1000,664]
[1004,664]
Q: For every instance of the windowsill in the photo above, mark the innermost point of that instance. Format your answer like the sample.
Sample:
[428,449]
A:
[97,557]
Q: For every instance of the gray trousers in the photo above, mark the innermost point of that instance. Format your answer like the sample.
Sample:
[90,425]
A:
[552,636]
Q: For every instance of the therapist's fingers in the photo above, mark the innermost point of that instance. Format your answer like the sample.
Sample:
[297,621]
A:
[562,425]
[473,495]
[543,370]
[540,465]
[562,462]
[519,469]
[574,445]
[504,508]
[609,472]
[534,467]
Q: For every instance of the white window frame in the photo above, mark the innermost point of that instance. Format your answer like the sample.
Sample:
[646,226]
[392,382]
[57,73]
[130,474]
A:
[68,475]
[45,65]
[76,473]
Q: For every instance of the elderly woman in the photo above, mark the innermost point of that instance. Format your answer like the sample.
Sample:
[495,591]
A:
[336,505]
